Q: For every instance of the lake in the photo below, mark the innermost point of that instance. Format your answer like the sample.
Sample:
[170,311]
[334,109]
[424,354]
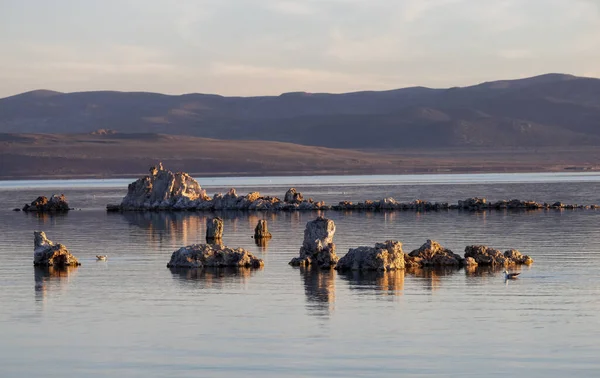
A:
[132,317]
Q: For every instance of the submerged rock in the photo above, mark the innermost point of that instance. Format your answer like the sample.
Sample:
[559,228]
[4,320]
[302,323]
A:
[46,253]
[387,256]
[317,248]
[486,256]
[210,255]
[55,204]
[261,231]
[432,254]
[214,229]
[162,189]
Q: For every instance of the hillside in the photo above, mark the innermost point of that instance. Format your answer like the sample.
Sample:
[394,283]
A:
[105,154]
[548,110]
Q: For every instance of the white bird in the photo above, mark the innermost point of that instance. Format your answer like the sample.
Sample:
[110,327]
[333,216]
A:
[101,257]
[510,276]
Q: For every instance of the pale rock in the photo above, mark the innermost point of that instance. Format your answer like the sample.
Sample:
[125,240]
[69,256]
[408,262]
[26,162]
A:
[214,229]
[261,231]
[211,255]
[46,253]
[317,248]
[387,256]
[432,254]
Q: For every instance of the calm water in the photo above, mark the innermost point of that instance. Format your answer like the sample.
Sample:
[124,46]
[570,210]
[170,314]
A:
[133,317]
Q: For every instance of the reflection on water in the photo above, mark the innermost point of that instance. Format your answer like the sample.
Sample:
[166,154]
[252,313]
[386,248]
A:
[49,279]
[262,243]
[47,219]
[431,278]
[385,283]
[212,278]
[319,287]
[173,227]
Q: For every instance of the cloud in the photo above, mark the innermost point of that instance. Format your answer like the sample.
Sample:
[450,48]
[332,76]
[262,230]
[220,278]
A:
[289,7]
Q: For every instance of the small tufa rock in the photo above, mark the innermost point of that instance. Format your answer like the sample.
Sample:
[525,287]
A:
[486,256]
[384,257]
[432,254]
[46,253]
[56,204]
[214,229]
[293,196]
[217,256]
[261,231]
[318,248]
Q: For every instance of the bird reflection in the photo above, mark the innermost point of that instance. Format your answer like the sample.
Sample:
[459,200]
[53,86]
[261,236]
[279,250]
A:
[431,278]
[319,287]
[51,279]
[384,283]
[209,278]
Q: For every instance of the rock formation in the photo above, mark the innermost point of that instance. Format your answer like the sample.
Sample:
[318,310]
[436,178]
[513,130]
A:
[385,257]
[486,256]
[56,204]
[210,255]
[261,231]
[292,196]
[318,248]
[214,229]
[432,254]
[162,189]
[46,253]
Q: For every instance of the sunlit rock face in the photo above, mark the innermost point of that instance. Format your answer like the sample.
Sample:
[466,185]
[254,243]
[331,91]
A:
[55,204]
[433,254]
[163,189]
[318,248]
[387,256]
[262,231]
[214,256]
[46,253]
[486,256]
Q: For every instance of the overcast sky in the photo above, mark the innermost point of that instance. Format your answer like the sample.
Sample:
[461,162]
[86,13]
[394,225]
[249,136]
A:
[258,47]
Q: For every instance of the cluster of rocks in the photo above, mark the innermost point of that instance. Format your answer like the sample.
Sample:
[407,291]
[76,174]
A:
[214,256]
[318,250]
[165,190]
[55,204]
[469,204]
[46,253]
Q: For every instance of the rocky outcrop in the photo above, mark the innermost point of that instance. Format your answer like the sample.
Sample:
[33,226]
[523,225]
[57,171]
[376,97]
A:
[486,256]
[292,196]
[262,231]
[162,190]
[214,229]
[387,256]
[46,253]
[432,254]
[210,255]
[55,204]
[317,248]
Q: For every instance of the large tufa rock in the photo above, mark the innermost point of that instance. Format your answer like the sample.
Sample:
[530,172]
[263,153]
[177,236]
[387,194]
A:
[46,253]
[217,256]
[214,229]
[432,254]
[261,231]
[56,204]
[293,196]
[318,248]
[162,189]
[385,257]
[486,256]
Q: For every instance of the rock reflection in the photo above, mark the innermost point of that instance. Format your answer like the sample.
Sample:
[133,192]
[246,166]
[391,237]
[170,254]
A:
[431,278]
[173,227]
[319,287]
[212,278]
[46,219]
[51,279]
[262,243]
[385,283]
[476,273]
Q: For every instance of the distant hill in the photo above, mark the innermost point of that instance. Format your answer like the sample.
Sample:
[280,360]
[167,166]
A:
[547,110]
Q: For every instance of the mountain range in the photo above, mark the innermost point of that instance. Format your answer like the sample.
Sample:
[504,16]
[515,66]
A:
[547,110]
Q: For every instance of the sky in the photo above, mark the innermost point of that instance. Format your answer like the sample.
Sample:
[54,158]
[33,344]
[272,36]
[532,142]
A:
[268,47]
